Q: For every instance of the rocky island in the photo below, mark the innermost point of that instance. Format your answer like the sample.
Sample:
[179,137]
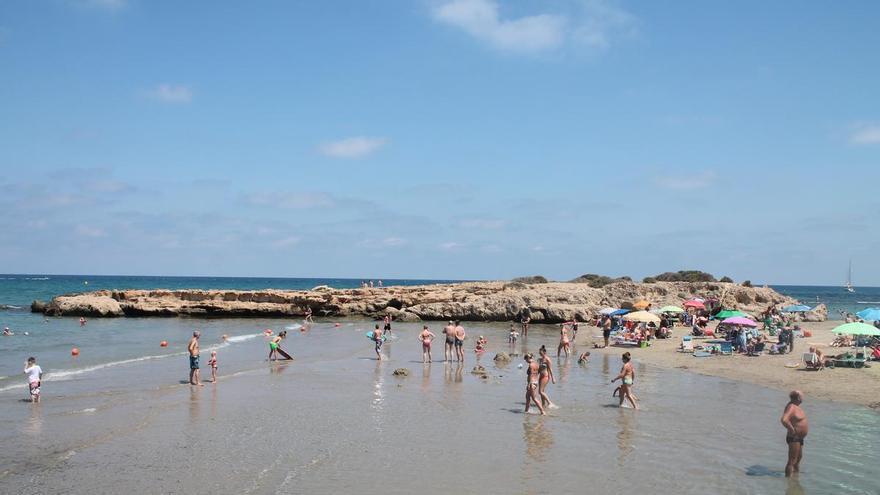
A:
[550,302]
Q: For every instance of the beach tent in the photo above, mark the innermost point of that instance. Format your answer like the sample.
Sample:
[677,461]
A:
[739,320]
[797,308]
[694,303]
[671,309]
[857,329]
[642,317]
[729,313]
[641,304]
[870,314]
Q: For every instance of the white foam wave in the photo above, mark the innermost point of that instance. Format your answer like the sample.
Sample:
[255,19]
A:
[36,278]
[295,326]
[242,338]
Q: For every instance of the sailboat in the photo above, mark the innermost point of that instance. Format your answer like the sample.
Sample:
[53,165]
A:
[849,285]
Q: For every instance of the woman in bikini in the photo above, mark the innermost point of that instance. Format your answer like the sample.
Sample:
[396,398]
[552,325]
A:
[545,372]
[564,342]
[532,380]
[426,337]
[627,377]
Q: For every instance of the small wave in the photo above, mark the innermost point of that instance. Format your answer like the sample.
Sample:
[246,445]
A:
[867,302]
[9,306]
[242,338]
[295,326]
[37,278]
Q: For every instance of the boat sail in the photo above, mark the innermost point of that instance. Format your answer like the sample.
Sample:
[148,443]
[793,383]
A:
[849,285]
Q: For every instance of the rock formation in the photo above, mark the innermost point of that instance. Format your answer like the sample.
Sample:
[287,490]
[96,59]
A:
[553,302]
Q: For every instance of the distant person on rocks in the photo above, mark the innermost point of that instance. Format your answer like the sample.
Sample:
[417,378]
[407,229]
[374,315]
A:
[380,283]
[34,377]
[193,349]
[796,426]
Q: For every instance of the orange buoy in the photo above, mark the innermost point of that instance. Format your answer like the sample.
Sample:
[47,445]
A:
[268,331]
[164,343]
[337,325]
[74,352]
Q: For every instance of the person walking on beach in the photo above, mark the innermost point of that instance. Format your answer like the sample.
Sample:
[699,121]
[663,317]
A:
[459,341]
[796,426]
[34,377]
[193,348]
[426,337]
[387,327]
[545,373]
[606,330]
[378,340]
[564,342]
[532,381]
[449,332]
[627,377]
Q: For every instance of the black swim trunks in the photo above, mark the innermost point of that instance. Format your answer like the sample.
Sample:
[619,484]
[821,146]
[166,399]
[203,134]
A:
[387,326]
[606,333]
[458,342]
[193,362]
[794,439]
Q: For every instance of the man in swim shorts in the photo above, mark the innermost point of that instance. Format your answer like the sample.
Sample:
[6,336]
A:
[449,332]
[193,348]
[459,341]
[377,339]
[387,327]
[606,329]
[794,419]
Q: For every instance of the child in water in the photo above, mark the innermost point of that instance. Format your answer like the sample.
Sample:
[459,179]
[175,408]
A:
[34,376]
[511,337]
[481,344]
[213,364]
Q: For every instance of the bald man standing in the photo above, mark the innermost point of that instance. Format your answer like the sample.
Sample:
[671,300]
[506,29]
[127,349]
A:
[796,426]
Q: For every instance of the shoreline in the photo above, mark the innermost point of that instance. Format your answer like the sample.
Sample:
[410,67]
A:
[850,385]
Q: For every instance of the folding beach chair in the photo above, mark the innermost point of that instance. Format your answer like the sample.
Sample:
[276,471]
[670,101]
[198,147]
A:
[687,344]
[811,361]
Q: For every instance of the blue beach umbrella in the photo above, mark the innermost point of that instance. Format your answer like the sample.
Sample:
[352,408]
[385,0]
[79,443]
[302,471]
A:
[620,312]
[870,314]
[797,308]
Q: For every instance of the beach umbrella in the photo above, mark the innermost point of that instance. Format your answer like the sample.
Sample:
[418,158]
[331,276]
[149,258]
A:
[694,303]
[641,304]
[857,329]
[870,314]
[642,317]
[618,312]
[797,308]
[607,311]
[671,309]
[739,320]
[729,313]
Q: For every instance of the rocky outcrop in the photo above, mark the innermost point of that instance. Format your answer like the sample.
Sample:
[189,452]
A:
[819,313]
[474,301]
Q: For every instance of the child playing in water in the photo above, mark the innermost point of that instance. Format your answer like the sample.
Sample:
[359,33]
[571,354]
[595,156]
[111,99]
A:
[213,364]
[511,337]
[481,344]
[34,376]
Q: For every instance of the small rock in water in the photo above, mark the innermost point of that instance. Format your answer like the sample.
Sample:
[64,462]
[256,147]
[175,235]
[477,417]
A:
[502,357]
[478,370]
[401,372]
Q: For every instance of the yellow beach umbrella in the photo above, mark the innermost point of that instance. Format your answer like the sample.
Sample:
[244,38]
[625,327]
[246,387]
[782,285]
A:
[642,317]
[641,305]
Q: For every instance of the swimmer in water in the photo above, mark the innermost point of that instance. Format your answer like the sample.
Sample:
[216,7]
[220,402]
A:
[82,321]
[213,364]
[426,337]
[627,377]
[7,332]
[532,380]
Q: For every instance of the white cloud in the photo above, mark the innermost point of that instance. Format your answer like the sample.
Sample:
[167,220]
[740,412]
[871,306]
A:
[353,147]
[491,248]
[590,23]
[89,231]
[171,93]
[483,223]
[105,4]
[286,242]
[292,200]
[866,134]
[382,243]
[687,182]
[450,246]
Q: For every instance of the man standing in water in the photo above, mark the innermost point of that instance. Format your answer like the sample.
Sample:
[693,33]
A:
[193,348]
[796,426]
[524,319]
[606,329]
[378,340]
[449,332]
[459,342]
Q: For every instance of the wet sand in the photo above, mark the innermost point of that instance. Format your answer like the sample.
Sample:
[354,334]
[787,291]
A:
[857,386]
[336,420]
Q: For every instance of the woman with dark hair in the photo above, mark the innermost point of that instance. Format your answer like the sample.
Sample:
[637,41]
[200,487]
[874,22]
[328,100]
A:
[532,380]
[545,373]
[627,377]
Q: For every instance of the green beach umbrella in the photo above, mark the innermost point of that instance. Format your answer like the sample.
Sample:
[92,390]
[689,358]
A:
[729,313]
[671,309]
[857,329]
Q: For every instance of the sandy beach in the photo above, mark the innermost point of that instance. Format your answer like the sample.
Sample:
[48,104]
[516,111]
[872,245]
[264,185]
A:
[857,386]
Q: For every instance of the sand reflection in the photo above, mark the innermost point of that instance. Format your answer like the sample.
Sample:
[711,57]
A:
[538,438]
[624,435]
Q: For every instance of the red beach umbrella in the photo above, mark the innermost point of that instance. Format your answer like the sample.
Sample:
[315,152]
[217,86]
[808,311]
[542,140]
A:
[693,303]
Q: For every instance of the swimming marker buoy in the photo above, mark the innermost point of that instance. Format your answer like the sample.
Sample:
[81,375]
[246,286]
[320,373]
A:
[74,352]
[164,343]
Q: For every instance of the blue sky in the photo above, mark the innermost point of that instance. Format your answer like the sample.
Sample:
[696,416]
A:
[440,139]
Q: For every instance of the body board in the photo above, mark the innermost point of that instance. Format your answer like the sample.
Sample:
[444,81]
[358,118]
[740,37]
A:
[283,353]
